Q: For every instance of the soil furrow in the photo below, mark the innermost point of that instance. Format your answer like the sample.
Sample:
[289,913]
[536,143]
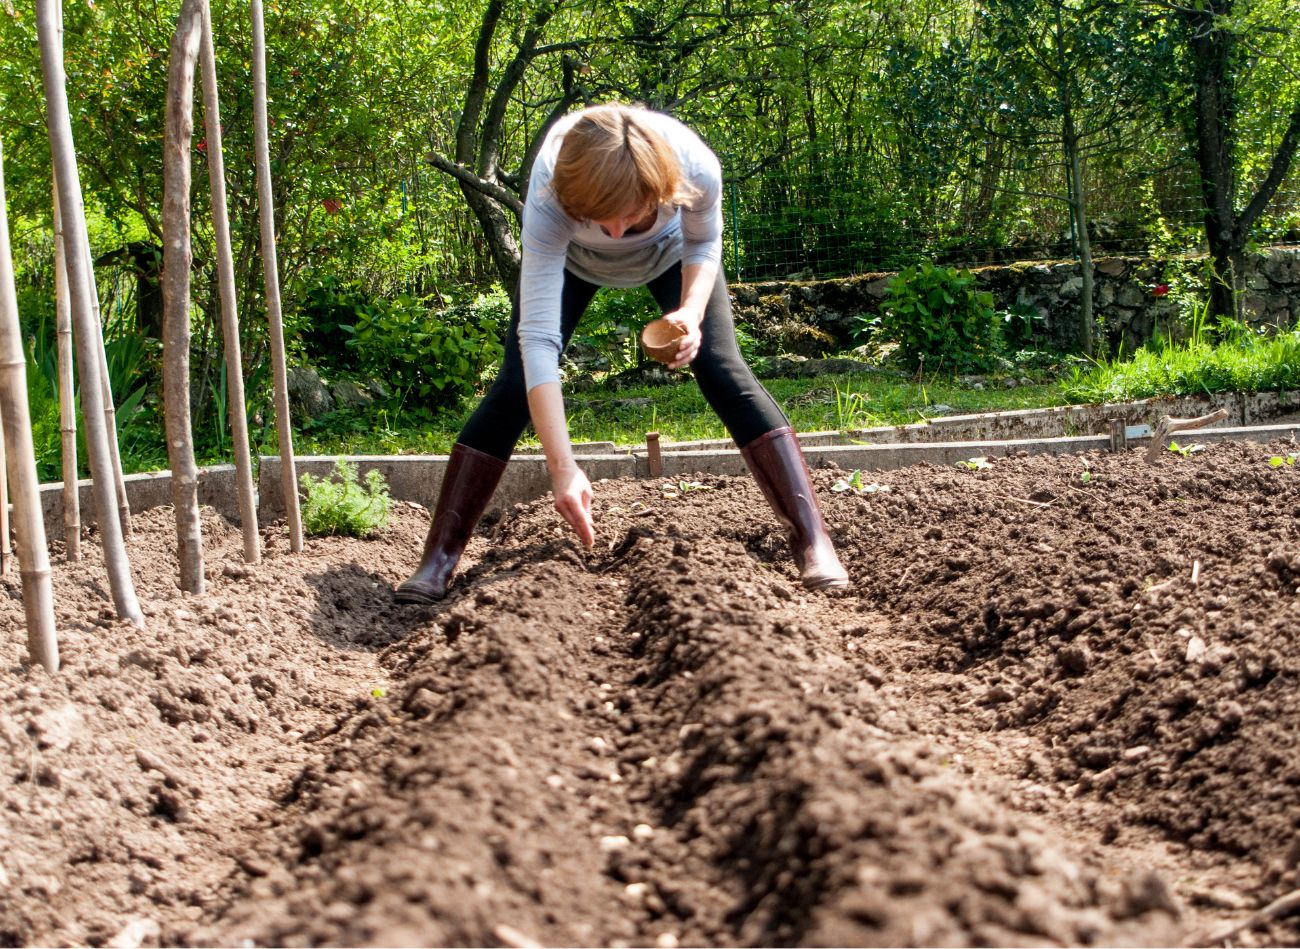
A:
[1057,707]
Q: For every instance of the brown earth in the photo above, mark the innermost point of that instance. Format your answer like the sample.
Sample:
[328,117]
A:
[1058,706]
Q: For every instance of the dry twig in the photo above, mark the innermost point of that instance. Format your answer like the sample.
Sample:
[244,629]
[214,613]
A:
[1282,906]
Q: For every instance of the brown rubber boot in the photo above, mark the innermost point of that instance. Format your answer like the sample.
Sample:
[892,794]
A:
[778,465]
[472,477]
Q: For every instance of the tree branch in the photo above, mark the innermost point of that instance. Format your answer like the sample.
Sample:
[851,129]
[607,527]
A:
[1277,172]
[482,185]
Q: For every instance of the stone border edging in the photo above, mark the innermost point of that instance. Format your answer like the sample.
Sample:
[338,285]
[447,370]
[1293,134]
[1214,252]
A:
[950,439]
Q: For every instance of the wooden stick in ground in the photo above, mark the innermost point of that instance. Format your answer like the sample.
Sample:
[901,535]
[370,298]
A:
[1168,425]
[178,257]
[67,397]
[20,465]
[87,333]
[271,271]
[110,410]
[226,285]
[6,551]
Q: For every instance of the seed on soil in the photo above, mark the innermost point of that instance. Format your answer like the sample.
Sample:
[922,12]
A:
[666,941]
[643,832]
[512,938]
[614,842]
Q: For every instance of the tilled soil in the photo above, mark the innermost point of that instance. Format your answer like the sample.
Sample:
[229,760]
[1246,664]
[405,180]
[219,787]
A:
[1057,706]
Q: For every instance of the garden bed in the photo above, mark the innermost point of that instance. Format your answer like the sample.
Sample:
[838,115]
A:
[1057,706]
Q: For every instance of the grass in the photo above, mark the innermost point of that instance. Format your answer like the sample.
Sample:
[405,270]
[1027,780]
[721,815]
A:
[1243,361]
[679,413]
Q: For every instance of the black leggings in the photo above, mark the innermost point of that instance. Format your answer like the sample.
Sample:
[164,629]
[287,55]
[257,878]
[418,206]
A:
[745,407]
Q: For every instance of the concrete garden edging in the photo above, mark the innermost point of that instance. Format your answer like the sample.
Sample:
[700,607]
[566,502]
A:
[941,441]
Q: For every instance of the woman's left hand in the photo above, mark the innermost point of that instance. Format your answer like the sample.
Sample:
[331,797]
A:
[689,346]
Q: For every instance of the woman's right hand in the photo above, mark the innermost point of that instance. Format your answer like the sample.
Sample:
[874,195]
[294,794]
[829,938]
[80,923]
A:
[572,493]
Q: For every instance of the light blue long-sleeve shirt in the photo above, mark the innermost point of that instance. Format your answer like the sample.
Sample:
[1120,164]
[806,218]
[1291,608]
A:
[553,241]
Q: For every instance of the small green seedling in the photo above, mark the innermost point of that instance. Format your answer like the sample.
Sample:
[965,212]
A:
[1277,461]
[854,483]
[684,487]
[379,692]
[975,464]
[1185,450]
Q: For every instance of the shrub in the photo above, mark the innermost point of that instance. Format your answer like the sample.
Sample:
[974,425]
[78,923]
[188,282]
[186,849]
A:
[432,357]
[939,319]
[340,504]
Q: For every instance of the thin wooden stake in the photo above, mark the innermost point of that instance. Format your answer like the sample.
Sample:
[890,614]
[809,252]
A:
[20,465]
[106,383]
[271,272]
[226,285]
[178,257]
[67,396]
[87,333]
[6,551]
[110,409]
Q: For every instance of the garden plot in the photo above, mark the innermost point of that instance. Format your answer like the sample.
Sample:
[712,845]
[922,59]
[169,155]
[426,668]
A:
[1056,707]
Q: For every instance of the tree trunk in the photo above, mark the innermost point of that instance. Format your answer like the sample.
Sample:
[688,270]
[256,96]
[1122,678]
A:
[229,314]
[67,396]
[271,274]
[20,465]
[177,260]
[1216,130]
[88,338]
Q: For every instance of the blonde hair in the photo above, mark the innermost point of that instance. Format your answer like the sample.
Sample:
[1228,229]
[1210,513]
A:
[611,161]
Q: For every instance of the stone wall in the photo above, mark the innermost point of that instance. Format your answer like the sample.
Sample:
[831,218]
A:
[817,317]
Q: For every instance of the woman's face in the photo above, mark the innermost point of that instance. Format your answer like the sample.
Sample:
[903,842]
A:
[637,218]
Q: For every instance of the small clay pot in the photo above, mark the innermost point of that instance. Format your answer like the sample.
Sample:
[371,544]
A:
[659,339]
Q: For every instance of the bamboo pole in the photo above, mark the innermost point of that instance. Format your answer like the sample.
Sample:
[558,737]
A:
[226,285]
[67,397]
[178,257]
[110,408]
[87,333]
[6,551]
[271,272]
[20,465]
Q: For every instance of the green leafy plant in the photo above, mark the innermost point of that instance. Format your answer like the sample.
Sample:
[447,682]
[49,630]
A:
[975,464]
[672,490]
[939,319]
[1184,450]
[432,357]
[855,484]
[340,504]
[1277,461]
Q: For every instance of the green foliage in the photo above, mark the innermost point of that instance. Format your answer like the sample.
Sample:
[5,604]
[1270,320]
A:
[1244,361]
[433,357]
[610,329]
[939,319]
[340,504]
